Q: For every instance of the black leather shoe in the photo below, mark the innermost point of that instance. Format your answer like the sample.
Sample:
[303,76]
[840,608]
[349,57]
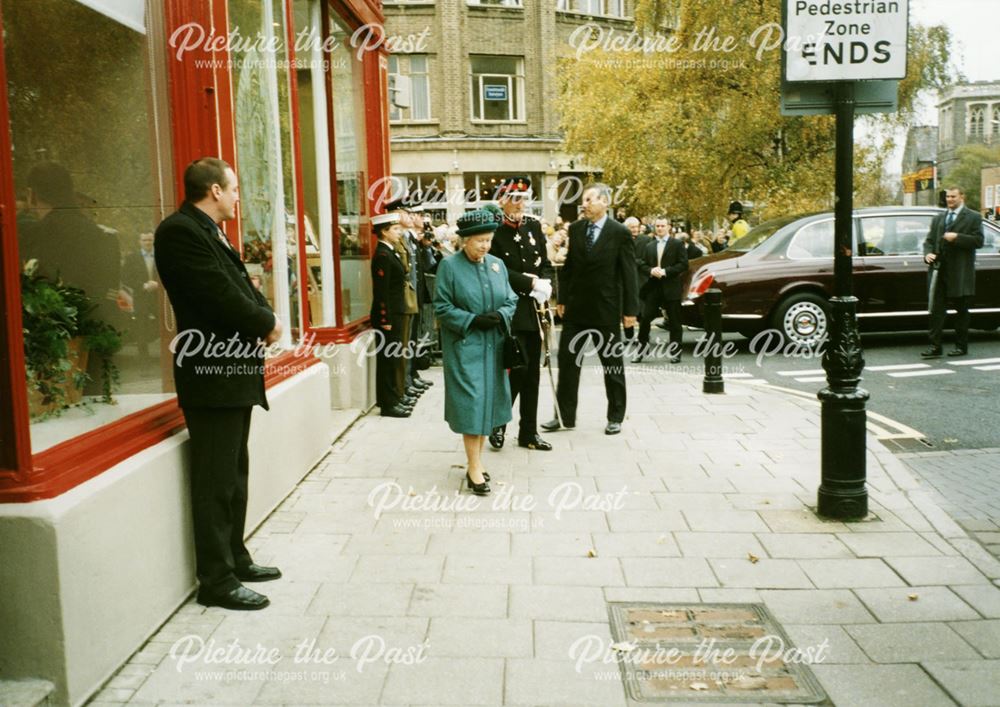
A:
[257,573]
[421,383]
[482,489]
[932,352]
[239,599]
[638,358]
[534,442]
[497,437]
[958,352]
[613,428]
[408,400]
[414,392]
[553,425]
[675,359]
[397,411]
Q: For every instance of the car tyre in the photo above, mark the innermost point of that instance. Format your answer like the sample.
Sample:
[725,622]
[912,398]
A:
[803,319]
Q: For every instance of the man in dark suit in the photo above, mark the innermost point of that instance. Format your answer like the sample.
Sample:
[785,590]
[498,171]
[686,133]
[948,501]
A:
[641,238]
[950,251]
[662,264]
[520,244]
[597,295]
[214,301]
[139,275]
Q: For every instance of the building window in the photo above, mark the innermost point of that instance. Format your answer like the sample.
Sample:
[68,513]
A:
[415,67]
[498,3]
[497,88]
[945,125]
[607,8]
[995,121]
[93,178]
[977,122]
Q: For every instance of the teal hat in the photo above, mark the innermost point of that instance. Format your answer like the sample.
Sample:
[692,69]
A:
[475,222]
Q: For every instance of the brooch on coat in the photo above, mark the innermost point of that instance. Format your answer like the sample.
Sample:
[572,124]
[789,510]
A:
[496,267]
[531,240]
[517,238]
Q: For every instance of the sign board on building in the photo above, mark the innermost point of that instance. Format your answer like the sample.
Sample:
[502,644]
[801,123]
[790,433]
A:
[845,40]
[495,92]
[817,98]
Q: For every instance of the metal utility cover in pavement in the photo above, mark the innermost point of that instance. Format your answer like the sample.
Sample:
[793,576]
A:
[733,653]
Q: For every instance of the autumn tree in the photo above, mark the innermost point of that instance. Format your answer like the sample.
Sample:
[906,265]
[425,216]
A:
[967,172]
[695,123]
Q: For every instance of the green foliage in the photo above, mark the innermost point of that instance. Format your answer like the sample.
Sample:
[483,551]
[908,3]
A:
[967,173]
[53,313]
[688,135]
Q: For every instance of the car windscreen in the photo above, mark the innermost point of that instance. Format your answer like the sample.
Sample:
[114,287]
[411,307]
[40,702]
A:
[759,234]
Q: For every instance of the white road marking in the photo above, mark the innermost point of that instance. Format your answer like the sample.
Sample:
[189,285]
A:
[800,373]
[931,372]
[738,375]
[898,367]
[811,379]
[974,362]
[987,368]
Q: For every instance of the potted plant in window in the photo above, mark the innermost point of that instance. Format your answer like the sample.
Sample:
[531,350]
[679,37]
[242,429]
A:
[60,333]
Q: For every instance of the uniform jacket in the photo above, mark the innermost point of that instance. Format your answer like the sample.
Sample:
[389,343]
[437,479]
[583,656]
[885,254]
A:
[958,258]
[476,389]
[409,261]
[674,261]
[599,287]
[214,301]
[641,241]
[523,251]
[388,285]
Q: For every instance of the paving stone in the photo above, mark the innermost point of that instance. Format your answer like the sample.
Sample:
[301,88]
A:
[668,572]
[395,543]
[339,683]
[984,599]
[786,521]
[730,595]
[479,544]
[673,501]
[803,545]
[887,544]
[551,544]
[910,642]
[984,636]
[557,682]
[800,606]
[937,570]
[880,685]
[469,569]
[446,681]
[578,571]
[725,521]
[644,521]
[573,521]
[344,599]
[553,640]
[740,545]
[828,643]
[930,604]
[397,569]
[762,574]
[971,683]
[474,600]
[850,574]
[557,603]
[635,545]
[203,685]
[487,638]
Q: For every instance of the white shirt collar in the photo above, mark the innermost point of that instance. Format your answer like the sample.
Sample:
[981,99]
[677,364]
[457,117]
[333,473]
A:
[600,224]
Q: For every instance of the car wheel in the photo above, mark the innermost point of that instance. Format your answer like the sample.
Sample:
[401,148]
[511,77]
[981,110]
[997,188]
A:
[803,319]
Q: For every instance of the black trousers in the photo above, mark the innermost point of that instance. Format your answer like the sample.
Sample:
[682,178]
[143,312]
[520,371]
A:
[574,338]
[387,390]
[219,471]
[651,306]
[524,383]
[939,310]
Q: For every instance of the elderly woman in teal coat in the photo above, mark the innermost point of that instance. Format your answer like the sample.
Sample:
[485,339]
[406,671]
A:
[474,305]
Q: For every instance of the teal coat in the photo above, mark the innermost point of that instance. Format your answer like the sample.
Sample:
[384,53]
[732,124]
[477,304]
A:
[476,389]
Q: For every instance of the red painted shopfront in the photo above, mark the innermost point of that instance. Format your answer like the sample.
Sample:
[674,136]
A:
[106,102]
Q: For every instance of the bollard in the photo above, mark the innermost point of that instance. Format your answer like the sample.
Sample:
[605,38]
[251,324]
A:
[712,315]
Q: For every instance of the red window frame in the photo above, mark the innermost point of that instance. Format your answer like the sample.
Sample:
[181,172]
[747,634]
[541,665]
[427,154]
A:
[203,96]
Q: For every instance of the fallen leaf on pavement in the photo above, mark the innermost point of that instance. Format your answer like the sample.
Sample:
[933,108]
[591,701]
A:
[591,553]
[912,597]
[698,686]
[753,558]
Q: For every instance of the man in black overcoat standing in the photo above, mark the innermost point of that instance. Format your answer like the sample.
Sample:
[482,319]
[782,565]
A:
[597,296]
[662,265]
[950,251]
[520,244]
[214,301]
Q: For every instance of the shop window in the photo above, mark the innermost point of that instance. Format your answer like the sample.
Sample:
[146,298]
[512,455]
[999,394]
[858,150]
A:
[265,161]
[497,88]
[415,67]
[92,175]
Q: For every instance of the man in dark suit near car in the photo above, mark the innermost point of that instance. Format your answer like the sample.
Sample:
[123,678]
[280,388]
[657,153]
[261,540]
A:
[663,264]
[597,295]
[214,301]
[640,239]
[950,251]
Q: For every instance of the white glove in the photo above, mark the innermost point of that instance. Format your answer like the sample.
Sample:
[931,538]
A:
[541,290]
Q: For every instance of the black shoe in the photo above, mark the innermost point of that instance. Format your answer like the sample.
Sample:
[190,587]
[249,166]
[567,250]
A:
[675,359]
[482,489]
[932,352]
[638,358]
[613,428]
[534,442]
[425,384]
[497,437]
[397,411]
[414,392]
[958,351]
[239,599]
[553,425]
[408,400]
[257,573]
[663,325]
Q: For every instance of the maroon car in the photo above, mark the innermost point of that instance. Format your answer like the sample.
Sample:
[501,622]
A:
[780,275]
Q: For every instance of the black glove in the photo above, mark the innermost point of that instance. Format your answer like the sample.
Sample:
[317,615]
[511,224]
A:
[490,320]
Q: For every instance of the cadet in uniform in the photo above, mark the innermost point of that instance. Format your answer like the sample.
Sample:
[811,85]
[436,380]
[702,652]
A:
[387,315]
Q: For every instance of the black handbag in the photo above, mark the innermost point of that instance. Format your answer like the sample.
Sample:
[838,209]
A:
[513,354]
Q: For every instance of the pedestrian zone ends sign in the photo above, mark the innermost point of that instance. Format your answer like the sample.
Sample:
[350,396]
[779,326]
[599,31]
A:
[847,40]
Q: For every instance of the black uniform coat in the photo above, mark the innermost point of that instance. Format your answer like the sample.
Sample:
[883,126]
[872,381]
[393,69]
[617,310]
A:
[641,241]
[522,250]
[388,285]
[212,295]
[674,261]
[957,258]
[599,287]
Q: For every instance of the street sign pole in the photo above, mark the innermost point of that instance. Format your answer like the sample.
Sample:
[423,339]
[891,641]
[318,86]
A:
[842,492]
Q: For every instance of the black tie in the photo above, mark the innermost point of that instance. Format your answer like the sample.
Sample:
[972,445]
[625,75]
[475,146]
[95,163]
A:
[591,235]
[950,219]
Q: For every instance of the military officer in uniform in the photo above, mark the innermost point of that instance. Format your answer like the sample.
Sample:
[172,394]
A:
[520,244]
[407,254]
[387,313]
